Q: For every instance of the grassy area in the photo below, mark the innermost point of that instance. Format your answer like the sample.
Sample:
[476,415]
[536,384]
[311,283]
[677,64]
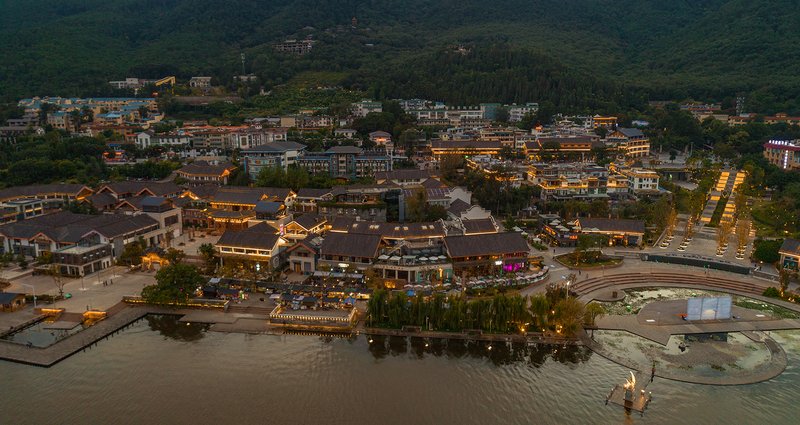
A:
[313,79]
[717,215]
[772,309]
[763,215]
[571,260]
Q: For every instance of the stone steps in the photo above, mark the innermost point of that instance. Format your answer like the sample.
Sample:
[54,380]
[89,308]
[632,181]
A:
[663,279]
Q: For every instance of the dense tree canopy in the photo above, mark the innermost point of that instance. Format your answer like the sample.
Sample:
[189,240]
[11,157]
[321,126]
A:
[577,54]
[175,283]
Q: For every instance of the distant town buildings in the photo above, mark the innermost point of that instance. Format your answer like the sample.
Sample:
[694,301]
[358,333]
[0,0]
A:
[201,172]
[517,112]
[200,82]
[297,47]
[275,154]
[783,153]
[631,142]
[364,107]
[603,122]
[346,162]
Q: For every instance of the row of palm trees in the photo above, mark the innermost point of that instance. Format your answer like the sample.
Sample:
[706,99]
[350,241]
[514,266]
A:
[554,312]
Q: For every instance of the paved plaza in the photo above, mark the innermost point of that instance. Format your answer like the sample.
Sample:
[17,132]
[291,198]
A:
[89,292]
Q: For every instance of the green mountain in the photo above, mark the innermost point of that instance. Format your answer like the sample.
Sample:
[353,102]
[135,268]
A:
[580,53]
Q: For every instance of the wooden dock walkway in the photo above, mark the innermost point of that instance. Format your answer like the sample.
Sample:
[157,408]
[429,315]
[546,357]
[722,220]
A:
[48,356]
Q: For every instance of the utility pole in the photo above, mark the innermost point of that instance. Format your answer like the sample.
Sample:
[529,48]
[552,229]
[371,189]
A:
[243,69]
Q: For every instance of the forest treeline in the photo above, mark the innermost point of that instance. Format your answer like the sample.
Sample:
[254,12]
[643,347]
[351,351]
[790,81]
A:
[583,54]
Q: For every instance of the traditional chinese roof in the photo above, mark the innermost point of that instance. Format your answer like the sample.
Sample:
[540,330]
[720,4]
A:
[33,191]
[458,206]
[249,195]
[203,168]
[630,132]
[486,225]
[132,188]
[611,225]
[790,247]
[485,244]
[308,221]
[9,297]
[350,245]
[206,191]
[309,193]
[101,200]
[390,230]
[403,174]
[260,236]
[68,227]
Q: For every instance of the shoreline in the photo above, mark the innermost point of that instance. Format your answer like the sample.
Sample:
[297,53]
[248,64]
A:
[232,323]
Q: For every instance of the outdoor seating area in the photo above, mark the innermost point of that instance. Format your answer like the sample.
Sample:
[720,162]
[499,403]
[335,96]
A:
[492,282]
[413,259]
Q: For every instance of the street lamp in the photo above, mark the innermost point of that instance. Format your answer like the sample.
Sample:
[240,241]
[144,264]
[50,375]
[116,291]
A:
[499,264]
[33,289]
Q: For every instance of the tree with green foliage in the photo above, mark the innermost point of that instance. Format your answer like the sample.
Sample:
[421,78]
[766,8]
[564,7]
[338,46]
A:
[175,283]
[545,113]
[766,250]
[528,121]
[174,256]
[539,309]
[593,312]
[150,170]
[588,248]
[501,115]
[784,277]
[22,262]
[569,315]
[132,253]
[210,259]
[419,210]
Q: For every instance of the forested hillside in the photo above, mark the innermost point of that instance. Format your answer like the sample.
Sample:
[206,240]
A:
[579,53]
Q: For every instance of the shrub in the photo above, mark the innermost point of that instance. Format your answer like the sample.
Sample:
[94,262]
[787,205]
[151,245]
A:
[772,292]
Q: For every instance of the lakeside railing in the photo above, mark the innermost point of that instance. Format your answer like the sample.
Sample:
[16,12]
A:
[192,303]
[281,313]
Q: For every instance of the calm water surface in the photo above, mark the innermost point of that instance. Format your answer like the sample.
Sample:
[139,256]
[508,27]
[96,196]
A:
[162,372]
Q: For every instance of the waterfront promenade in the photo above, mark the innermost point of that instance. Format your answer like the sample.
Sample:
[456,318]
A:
[82,340]
[659,320]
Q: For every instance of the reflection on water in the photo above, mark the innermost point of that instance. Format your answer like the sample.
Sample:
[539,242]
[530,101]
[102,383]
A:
[170,327]
[163,372]
[499,353]
[41,334]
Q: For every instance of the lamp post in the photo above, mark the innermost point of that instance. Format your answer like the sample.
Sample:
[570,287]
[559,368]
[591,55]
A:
[33,289]
[499,264]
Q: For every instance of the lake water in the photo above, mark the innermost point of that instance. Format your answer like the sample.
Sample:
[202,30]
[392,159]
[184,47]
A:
[162,372]
[42,334]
